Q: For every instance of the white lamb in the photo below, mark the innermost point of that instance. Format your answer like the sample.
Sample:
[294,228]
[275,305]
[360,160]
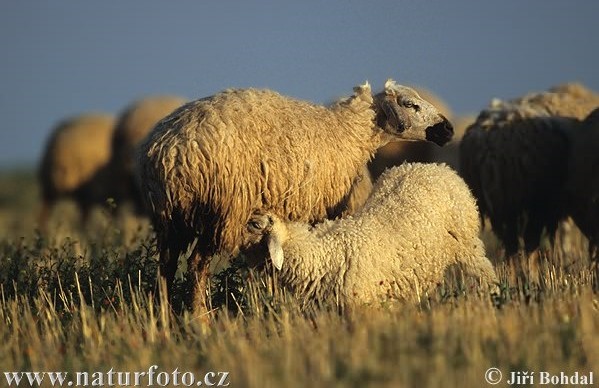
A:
[419,220]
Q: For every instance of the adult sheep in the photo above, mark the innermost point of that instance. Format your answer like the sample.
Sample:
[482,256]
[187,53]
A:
[74,156]
[420,220]
[515,158]
[208,164]
[583,182]
[133,124]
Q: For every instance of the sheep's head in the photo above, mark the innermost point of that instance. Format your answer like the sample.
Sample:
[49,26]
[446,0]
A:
[267,228]
[403,114]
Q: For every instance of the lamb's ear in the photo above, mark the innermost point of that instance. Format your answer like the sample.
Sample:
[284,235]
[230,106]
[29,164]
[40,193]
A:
[275,250]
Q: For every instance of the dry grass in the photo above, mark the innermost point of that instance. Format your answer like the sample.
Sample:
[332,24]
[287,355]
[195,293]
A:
[86,303]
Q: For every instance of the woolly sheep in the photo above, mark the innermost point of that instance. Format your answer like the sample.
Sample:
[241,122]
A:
[583,183]
[133,124]
[208,164]
[74,156]
[420,220]
[515,157]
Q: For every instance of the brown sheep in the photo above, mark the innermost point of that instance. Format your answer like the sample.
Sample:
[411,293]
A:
[132,126]
[75,154]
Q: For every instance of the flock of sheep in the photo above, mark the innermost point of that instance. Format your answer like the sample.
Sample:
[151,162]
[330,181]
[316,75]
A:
[277,178]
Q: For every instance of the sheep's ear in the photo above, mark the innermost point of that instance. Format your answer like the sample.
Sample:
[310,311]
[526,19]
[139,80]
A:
[275,250]
[391,87]
[362,89]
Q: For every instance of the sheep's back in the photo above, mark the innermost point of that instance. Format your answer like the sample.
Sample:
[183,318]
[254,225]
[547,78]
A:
[76,151]
[136,121]
[515,157]
[566,100]
[242,149]
[418,218]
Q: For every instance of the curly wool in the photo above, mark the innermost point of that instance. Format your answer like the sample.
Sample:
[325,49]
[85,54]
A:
[419,220]
[195,165]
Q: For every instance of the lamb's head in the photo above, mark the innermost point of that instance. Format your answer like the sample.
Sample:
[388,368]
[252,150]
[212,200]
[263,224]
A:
[403,114]
[267,228]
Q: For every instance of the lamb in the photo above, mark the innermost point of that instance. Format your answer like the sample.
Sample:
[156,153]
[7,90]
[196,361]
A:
[420,220]
[515,157]
[74,156]
[208,164]
[133,124]
[583,185]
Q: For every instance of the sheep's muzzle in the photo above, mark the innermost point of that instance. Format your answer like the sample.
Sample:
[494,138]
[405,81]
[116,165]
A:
[440,133]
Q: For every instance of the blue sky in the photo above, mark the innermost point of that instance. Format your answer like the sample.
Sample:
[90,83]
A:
[60,58]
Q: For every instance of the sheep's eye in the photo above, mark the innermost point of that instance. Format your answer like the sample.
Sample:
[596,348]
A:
[255,225]
[411,105]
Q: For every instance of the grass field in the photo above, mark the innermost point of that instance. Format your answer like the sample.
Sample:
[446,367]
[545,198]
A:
[83,301]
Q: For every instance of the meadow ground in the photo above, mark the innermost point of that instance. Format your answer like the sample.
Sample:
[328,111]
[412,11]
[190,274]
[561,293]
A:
[83,301]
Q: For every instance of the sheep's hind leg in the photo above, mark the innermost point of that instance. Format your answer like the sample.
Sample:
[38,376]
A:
[198,265]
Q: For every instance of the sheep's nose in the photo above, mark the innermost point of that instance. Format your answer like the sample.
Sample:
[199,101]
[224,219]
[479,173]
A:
[440,133]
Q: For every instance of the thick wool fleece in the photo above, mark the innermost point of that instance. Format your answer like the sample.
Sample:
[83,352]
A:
[419,220]
[210,162]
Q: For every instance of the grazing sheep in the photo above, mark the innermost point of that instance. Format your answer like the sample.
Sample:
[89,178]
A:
[515,158]
[208,164]
[75,154]
[420,220]
[583,183]
[132,126]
